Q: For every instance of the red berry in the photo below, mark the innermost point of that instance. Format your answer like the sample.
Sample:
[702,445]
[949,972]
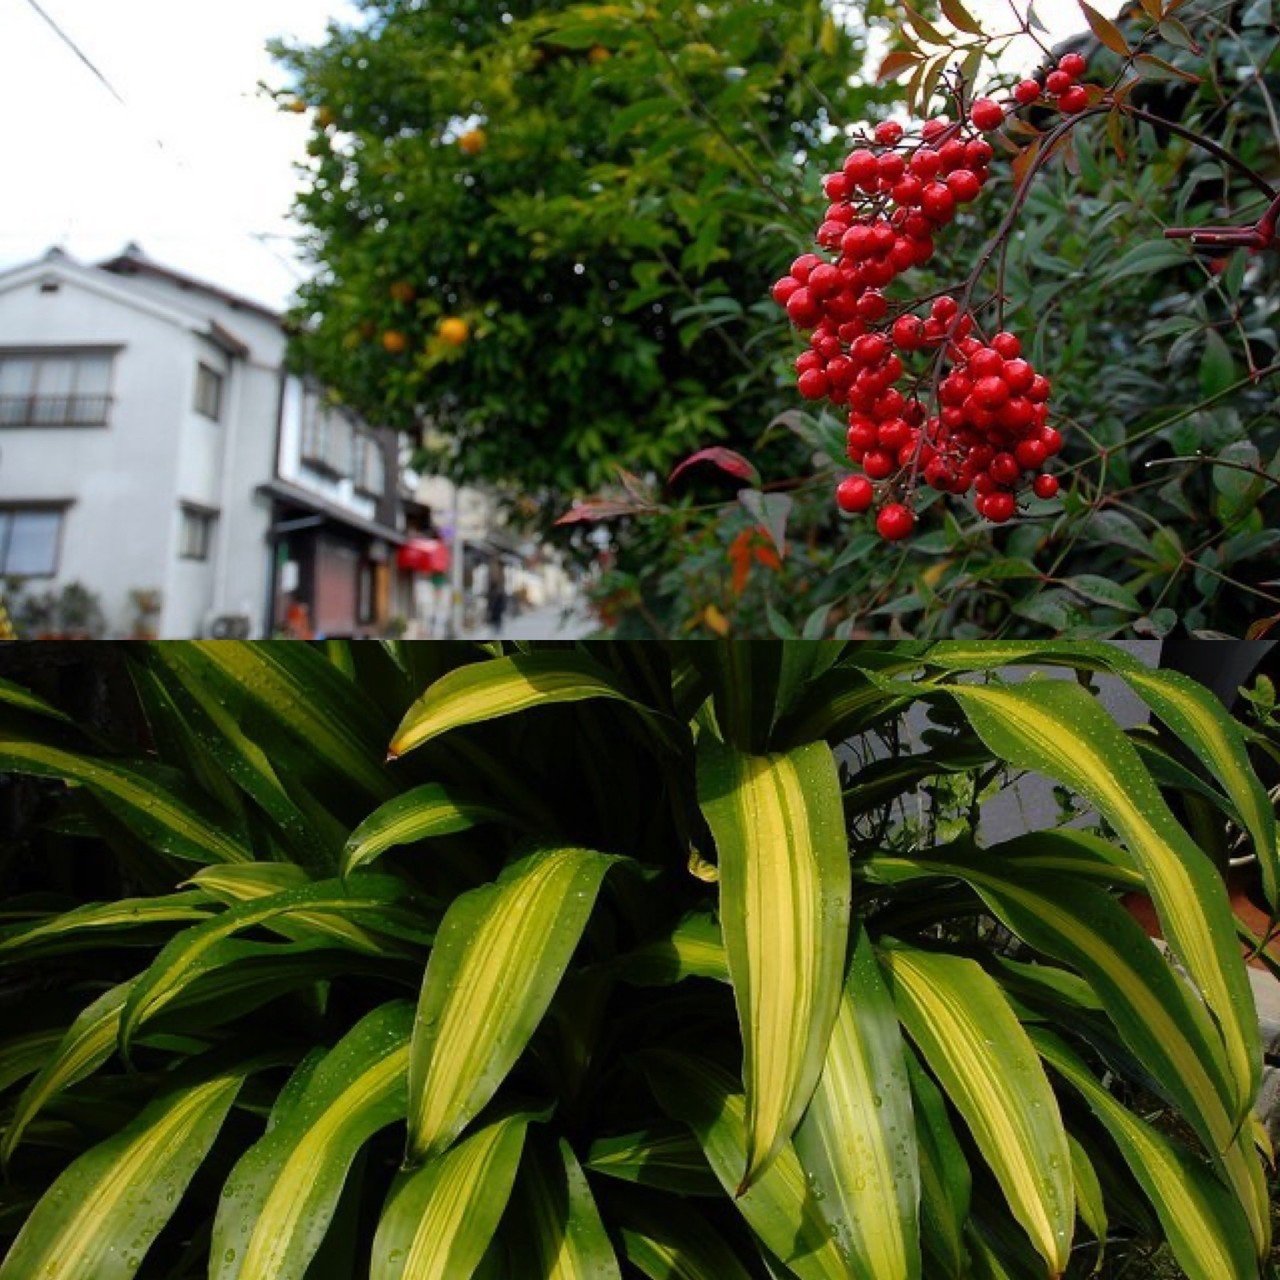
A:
[1073,64]
[945,308]
[856,243]
[991,393]
[862,434]
[888,133]
[891,166]
[893,433]
[964,185]
[784,289]
[1058,82]
[908,332]
[1040,388]
[855,494]
[906,191]
[1007,344]
[895,522]
[830,233]
[1004,468]
[1031,454]
[999,507]
[978,153]
[824,280]
[1051,438]
[836,186]
[862,168]
[926,164]
[1045,486]
[986,363]
[1026,92]
[805,263]
[871,348]
[937,202]
[986,113]
[813,384]
[802,309]
[932,128]
[1074,100]
[872,305]
[878,464]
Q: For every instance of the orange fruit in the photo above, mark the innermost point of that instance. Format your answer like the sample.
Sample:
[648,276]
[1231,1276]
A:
[403,292]
[453,331]
[473,142]
[394,342]
[598,54]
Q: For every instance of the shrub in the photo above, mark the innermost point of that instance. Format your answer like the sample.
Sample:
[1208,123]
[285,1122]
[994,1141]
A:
[681,960]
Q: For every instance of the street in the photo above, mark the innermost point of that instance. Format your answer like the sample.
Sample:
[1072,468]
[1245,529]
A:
[547,623]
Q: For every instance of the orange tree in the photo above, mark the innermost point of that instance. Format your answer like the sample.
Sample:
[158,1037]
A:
[542,229]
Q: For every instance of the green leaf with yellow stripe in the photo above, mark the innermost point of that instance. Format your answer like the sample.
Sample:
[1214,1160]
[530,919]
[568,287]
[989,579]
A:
[278,1200]
[1204,1224]
[439,1219]
[1056,728]
[498,958]
[1091,1204]
[667,1157]
[102,1214]
[692,949]
[966,1031]
[668,1242]
[423,812]
[779,1206]
[778,824]
[555,1214]
[946,1182]
[857,1140]
[502,687]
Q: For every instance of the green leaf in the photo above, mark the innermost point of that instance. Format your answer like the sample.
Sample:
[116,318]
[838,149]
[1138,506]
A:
[779,1206]
[778,823]
[968,1034]
[1146,259]
[1090,1201]
[671,1243]
[278,1200]
[693,949]
[856,1142]
[102,923]
[502,687]
[425,811]
[561,1224]
[1217,367]
[101,1215]
[498,958]
[1058,729]
[439,1219]
[1205,1227]
[1100,590]
[661,1156]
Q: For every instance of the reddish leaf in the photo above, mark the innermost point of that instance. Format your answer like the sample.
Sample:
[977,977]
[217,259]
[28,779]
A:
[1105,30]
[733,464]
[895,64]
[599,509]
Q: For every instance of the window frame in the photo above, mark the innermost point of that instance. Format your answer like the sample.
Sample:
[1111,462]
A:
[207,517]
[207,375]
[10,510]
[79,409]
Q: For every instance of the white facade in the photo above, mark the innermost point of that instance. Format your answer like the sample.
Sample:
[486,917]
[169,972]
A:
[164,491]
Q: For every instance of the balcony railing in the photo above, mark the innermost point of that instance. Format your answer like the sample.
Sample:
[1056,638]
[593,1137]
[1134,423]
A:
[54,411]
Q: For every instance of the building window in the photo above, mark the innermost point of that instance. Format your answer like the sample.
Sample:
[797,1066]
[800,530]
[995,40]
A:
[197,533]
[328,437]
[29,541]
[55,389]
[209,392]
[315,430]
[371,470]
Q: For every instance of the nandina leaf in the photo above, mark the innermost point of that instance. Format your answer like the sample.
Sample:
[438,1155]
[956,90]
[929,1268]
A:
[1105,30]
[731,463]
[596,509]
[896,63]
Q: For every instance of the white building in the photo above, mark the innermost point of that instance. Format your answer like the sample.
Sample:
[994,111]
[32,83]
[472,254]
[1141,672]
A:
[151,441]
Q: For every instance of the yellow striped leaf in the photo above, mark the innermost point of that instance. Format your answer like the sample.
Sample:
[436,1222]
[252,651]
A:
[779,1206]
[425,811]
[278,1200]
[1056,728]
[103,922]
[666,1157]
[439,1219]
[672,1243]
[779,830]
[501,687]
[1204,1225]
[975,1045]
[857,1141]
[693,949]
[498,958]
[558,1219]
[1090,1202]
[101,1215]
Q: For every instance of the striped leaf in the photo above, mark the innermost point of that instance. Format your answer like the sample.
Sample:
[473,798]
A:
[1204,1225]
[1090,1202]
[1166,1028]
[779,1206]
[152,809]
[693,949]
[102,923]
[14,695]
[24,1055]
[439,1219]
[278,1200]
[330,905]
[667,1157]
[502,687]
[672,1243]
[857,1141]
[425,811]
[86,1045]
[945,1178]
[498,958]
[559,1223]
[101,1215]
[963,1025]
[1056,728]
[778,825]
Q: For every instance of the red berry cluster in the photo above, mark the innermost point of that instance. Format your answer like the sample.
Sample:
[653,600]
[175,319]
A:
[988,430]
[1060,85]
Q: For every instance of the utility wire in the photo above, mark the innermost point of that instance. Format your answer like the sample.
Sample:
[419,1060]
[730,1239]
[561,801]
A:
[75,48]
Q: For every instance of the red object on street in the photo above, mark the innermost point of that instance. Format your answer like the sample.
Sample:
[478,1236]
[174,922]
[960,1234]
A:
[424,555]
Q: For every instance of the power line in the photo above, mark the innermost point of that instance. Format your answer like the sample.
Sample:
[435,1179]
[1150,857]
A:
[75,48]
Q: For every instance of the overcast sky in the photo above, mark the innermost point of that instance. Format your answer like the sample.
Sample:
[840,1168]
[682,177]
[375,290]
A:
[198,161]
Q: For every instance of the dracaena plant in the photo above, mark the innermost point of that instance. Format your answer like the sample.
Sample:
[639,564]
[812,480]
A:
[623,960]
